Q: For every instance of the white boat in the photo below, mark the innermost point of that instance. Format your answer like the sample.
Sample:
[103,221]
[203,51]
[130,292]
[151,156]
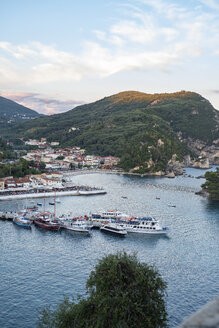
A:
[58,200]
[78,225]
[145,225]
[113,228]
[98,219]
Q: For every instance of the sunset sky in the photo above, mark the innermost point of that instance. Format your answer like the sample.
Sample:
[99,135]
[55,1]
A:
[57,54]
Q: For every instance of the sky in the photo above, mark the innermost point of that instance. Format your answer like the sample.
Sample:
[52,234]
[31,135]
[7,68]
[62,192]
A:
[58,54]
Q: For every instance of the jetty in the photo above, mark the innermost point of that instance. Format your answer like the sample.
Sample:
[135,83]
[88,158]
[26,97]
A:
[51,194]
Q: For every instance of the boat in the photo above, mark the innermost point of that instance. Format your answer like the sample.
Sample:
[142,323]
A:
[46,220]
[8,215]
[58,200]
[114,229]
[39,204]
[22,222]
[51,203]
[98,219]
[77,225]
[144,225]
[171,205]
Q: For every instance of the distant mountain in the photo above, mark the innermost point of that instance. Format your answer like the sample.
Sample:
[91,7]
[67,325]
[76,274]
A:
[10,112]
[144,130]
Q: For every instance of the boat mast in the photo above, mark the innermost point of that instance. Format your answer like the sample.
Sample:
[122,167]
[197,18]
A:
[55,205]
[44,201]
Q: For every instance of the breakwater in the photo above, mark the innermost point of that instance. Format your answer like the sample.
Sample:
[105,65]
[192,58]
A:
[52,194]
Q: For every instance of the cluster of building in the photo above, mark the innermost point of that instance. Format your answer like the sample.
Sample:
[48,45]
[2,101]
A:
[68,158]
[50,180]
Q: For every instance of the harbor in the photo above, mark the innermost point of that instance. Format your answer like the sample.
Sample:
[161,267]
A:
[36,260]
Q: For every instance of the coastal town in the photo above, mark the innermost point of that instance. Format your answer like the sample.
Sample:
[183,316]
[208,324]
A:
[55,162]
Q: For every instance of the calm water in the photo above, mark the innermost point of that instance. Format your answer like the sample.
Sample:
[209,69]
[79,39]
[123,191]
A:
[38,267]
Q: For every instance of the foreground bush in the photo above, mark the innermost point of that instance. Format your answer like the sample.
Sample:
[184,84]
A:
[122,293]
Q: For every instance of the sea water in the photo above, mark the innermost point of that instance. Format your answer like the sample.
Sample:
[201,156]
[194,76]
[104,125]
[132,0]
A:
[38,267]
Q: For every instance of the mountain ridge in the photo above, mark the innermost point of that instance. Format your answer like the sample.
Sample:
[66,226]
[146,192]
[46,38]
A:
[144,130]
[16,112]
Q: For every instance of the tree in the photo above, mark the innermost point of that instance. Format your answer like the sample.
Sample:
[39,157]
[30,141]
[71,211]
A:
[212,184]
[42,166]
[122,293]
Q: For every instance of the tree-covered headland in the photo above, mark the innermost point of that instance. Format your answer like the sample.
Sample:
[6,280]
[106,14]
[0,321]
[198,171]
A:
[212,184]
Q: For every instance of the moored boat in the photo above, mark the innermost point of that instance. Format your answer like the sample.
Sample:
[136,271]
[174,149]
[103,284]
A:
[78,225]
[144,225]
[46,221]
[113,228]
[22,222]
[98,219]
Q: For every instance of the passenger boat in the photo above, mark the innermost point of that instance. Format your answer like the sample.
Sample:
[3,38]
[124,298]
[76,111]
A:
[22,222]
[46,221]
[144,225]
[98,219]
[113,228]
[78,225]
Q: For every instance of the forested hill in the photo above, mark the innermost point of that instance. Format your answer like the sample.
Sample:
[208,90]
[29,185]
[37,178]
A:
[138,127]
[10,110]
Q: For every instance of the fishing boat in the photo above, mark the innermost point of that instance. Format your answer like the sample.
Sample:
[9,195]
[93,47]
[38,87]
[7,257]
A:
[113,228]
[22,222]
[47,221]
[144,225]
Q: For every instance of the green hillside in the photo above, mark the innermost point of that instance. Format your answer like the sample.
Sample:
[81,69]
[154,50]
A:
[135,126]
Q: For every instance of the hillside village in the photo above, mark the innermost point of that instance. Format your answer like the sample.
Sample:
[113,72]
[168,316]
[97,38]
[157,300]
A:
[55,162]
[68,158]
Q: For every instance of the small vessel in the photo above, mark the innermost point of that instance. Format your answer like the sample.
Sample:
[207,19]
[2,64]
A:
[78,225]
[58,200]
[31,201]
[113,228]
[51,203]
[39,204]
[171,205]
[22,222]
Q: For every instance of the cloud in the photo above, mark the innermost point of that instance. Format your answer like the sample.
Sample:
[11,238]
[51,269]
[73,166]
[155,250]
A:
[151,35]
[210,3]
[42,105]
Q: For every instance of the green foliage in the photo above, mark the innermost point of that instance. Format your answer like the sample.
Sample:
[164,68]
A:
[17,169]
[60,157]
[6,151]
[122,293]
[212,184]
